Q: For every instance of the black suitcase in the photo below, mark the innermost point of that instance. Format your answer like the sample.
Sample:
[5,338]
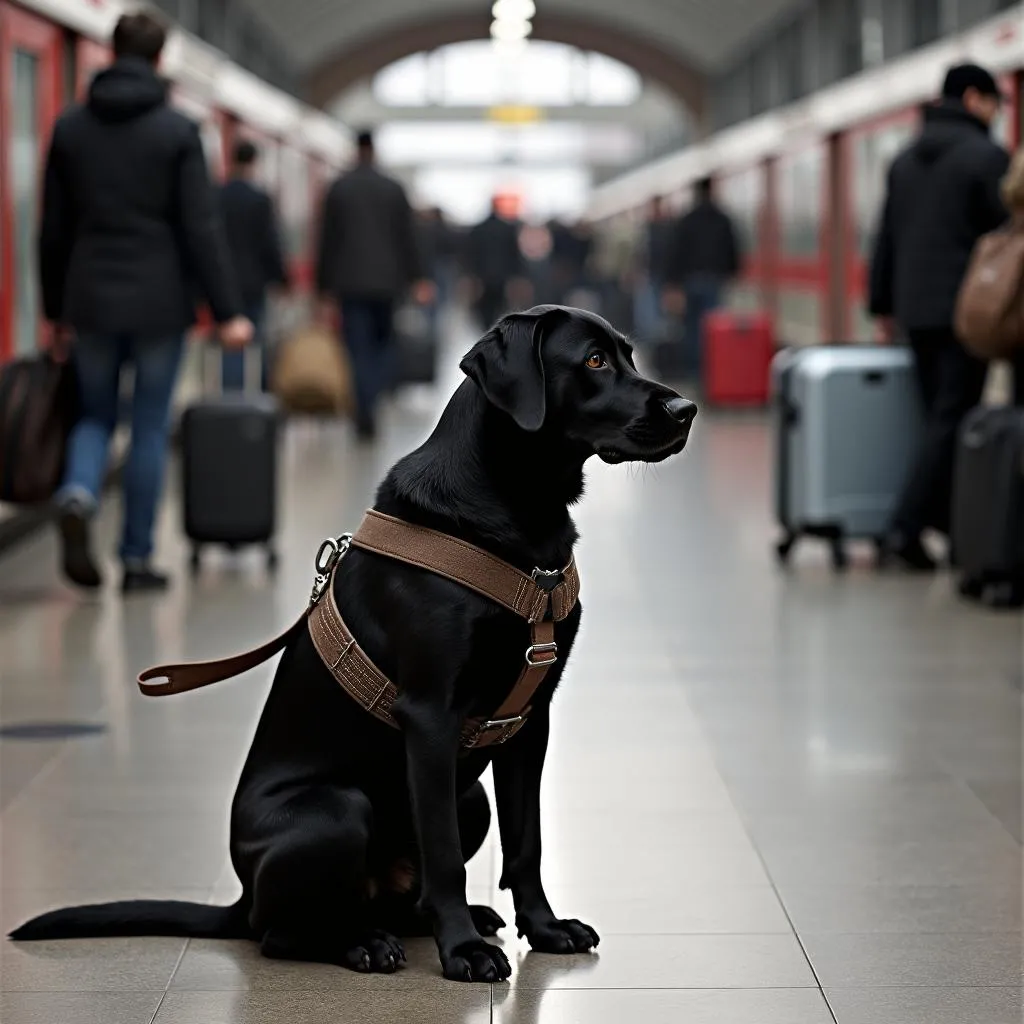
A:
[416,346]
[229,472]
[988,506]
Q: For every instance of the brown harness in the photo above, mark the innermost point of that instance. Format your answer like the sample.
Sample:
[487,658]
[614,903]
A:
[542,598]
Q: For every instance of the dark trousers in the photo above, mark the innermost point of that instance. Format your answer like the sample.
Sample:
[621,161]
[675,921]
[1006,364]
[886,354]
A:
[367,325]
[491,305]
[951,382]
[703,295]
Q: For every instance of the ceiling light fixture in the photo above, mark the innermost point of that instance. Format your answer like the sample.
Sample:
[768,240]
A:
[506,31]
[513,10]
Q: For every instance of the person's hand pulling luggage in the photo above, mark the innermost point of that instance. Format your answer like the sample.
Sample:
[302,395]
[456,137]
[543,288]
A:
[236,332]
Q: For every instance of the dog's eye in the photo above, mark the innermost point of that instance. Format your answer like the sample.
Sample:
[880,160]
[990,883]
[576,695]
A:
[596,360]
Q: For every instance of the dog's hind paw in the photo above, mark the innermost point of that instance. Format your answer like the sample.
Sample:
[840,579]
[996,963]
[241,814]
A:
[556,936]
[377,953]
[487,920]
[476,961]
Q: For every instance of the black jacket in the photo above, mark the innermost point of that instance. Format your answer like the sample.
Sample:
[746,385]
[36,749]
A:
[704,242]
[493,256]
[131,235]
[658,251]
[253,240]
[943,194]
[368,243]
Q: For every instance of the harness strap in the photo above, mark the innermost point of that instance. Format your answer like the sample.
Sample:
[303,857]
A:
[541,598]
[524,595]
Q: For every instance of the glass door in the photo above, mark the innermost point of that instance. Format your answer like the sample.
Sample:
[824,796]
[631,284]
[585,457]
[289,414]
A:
[30,56]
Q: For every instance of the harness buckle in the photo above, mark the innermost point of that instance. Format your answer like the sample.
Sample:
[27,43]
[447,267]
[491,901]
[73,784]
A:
[507,728]
[548,579]
[534,649]
[328,555]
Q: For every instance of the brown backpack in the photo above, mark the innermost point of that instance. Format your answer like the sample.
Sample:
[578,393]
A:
[989,316]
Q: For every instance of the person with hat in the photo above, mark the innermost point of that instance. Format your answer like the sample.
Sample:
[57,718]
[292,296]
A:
[943,194]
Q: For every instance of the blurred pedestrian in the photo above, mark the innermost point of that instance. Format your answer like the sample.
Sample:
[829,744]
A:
[129,226]
[942,196]
[652,271]
[369,257]
[495,264]
[703,257]
[1013,195]
[255,246]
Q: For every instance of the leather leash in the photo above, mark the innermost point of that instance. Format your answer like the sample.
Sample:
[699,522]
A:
[541,598]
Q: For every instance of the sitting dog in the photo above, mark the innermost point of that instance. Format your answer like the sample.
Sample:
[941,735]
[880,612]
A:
[346,832]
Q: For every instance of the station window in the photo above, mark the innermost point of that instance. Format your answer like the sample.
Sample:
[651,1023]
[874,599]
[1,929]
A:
[790,53]
[925,21]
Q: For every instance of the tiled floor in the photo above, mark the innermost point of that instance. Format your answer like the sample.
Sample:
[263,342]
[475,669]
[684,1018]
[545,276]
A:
[782,798]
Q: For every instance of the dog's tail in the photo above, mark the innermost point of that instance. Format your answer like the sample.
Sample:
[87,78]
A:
[138,917]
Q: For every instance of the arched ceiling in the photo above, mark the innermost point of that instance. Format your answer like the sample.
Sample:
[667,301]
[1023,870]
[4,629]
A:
[676,42]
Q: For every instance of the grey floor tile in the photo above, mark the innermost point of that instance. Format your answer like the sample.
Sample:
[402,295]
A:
[218,966]
[653,1006]
[89,965]
[879,960]
[456,1004]
[678,909]
[670,961]
[927,1005]
[79,1007]
[889,908]
[828,861]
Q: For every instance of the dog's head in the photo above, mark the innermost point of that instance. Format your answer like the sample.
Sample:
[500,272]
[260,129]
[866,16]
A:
[568,372]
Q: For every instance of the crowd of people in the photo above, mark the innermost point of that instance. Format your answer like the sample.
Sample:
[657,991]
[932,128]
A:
[134,234]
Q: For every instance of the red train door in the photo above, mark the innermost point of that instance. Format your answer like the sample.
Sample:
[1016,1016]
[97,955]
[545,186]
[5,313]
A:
[30,96]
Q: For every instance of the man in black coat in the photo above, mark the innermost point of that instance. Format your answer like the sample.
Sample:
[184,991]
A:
[369,256]
[130,238]
[255,247]
[703,258]
[495,263]
[943,194]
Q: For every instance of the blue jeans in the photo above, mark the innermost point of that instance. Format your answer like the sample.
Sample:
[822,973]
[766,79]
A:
[647,309]
[99,359]
[232,366]
[703,296]
[368,330]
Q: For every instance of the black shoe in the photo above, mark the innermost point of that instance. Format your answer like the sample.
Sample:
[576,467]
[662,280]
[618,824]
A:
[366,429]
[144,579]
[77,561]
[907,553]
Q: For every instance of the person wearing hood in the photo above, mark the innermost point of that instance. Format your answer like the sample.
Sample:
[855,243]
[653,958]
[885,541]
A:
[130,240]
[943,195]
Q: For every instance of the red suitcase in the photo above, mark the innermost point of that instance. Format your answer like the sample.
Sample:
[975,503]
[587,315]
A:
[738,351]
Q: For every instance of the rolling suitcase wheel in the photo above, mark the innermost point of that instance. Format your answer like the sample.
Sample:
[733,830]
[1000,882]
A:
[840,559]
[784,548]
[194,560]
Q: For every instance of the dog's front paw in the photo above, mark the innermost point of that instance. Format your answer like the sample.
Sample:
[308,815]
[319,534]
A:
[476,961]
[556,936]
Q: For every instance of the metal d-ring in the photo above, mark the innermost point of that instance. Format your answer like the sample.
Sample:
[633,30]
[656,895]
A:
[328,555]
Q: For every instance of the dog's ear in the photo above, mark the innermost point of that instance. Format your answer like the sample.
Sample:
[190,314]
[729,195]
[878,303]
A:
[506,365]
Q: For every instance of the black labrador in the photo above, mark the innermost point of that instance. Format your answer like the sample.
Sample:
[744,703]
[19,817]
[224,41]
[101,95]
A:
[345,831]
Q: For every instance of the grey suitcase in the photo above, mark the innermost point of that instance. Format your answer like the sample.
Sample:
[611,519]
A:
[847,425]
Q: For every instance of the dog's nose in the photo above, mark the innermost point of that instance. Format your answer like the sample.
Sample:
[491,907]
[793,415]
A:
[680,409]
